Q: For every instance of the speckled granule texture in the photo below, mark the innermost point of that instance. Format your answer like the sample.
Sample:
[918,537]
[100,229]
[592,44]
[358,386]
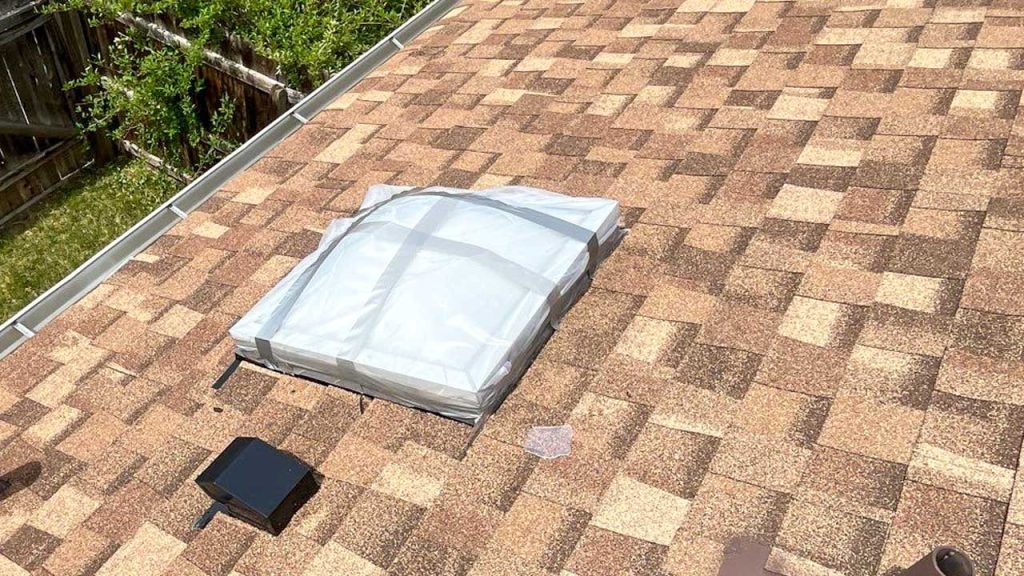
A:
[811,339]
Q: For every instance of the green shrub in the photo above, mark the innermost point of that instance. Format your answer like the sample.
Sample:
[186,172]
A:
[50,239]
[307,39]
[150,94]
[146,94]
[311,39]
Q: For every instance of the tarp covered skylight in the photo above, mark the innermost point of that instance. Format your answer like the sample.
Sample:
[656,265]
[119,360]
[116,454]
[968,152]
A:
[435,298]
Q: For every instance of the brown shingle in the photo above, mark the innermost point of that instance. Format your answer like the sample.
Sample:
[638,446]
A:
[218,547]
[119,517]
[724,509]
[918,524]
[826,537]
[574,481]
[29,547]
[538,532]
[773,463]
[377,526]
[811,336]
[671,460]
[80,552]
[784,414]
[855,484]
[459,524]
[801,367]
[604,552]
[285,555]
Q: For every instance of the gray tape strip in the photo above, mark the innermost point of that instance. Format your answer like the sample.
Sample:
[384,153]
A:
[509,269]
[407,251]
[563,227]
[347,370]
[263,347]
[273,324]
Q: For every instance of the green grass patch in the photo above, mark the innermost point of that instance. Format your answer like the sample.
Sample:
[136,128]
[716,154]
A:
[53,237]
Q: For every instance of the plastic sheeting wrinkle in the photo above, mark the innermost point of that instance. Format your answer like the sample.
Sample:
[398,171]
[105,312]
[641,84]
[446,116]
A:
[417,238]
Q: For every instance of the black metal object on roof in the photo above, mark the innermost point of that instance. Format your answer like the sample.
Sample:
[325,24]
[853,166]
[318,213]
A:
[942,561]
[257,483]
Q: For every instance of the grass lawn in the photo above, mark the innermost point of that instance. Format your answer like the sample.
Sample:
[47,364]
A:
[50,239]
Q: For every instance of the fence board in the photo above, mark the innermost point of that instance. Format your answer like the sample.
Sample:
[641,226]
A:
[36,84]
[38,147]
[41,172]
[40,53]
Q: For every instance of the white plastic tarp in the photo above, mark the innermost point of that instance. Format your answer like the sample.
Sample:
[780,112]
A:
[435,298]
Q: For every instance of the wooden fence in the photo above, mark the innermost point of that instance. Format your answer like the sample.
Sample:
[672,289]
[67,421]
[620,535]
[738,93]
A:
[259,96]
[39,145]
[39,53]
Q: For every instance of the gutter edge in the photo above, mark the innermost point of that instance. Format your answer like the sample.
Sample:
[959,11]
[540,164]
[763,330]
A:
[73,287]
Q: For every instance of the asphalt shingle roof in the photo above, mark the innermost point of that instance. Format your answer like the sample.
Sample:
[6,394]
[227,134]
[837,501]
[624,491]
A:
[812,337]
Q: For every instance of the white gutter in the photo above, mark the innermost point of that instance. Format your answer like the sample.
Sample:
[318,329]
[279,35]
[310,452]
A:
[30,319]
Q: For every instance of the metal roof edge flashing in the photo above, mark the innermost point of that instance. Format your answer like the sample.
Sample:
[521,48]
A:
[30,319]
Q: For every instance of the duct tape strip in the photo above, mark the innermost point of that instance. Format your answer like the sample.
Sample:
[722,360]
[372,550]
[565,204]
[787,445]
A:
[407,251]
[554,223]
[348,371]
[273,324]
[386,283]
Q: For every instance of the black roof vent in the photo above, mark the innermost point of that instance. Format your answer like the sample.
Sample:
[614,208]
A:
[257,483]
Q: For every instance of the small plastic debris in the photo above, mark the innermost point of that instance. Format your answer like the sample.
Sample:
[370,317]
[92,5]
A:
[549,441]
